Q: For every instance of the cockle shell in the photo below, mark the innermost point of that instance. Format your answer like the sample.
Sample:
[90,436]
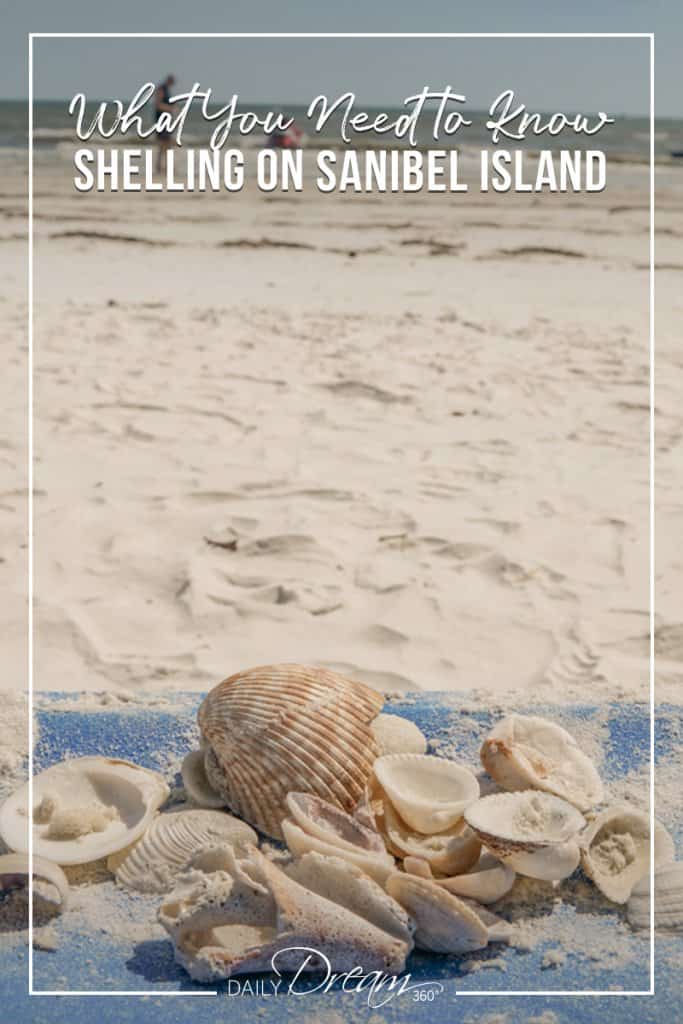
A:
[449,853]
[196,783]
[84,809]
[170,843]
[396,735]
[527,752]
[615,850]
[487,881]
[443,922]
[429,793]
[284,728]
[668,900]
[259,917]
[14,870]
[533,832]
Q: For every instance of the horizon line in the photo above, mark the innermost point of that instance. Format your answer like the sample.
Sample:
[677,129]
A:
[283,104]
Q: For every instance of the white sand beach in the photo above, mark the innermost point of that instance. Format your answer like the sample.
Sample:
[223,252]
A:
[405,437]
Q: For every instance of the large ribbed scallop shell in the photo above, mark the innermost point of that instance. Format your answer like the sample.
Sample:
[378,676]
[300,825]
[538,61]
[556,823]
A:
[280,728]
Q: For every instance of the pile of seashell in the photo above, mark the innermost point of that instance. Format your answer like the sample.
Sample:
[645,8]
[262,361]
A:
[388,847]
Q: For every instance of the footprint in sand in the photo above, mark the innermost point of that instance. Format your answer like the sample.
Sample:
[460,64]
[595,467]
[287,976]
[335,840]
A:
[359,389]
[276,593]
[315,600]
[381,575]
[384,636]
[289,545]
[463,551]
[669,642]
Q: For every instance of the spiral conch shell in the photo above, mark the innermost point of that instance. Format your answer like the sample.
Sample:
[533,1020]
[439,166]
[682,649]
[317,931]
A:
[251,915]
[279,728]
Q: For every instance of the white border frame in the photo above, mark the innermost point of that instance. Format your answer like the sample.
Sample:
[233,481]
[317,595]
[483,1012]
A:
[349,35]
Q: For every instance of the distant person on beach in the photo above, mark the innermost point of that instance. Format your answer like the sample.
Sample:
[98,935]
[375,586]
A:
[288,138]
[162,103]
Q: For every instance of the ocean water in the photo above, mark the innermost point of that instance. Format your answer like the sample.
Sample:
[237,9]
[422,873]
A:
[627,140]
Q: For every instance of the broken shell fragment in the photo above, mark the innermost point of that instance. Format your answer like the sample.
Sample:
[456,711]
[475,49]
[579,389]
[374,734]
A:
[429,793]
[615,850]
[172,841]
[196,783]
[527,752]
[449,853]
[222,925]
[443,922]
[85,808]
[326,821]
[417,866]
[14,870]
[396,735]
[533,832]
[668,900]
[549,864]
[347,885]
[498,928]
[375,864]
[487,881]
[282,728]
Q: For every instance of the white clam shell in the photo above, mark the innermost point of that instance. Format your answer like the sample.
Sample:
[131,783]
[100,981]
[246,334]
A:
[282,728]
[175,839]
[521,822]
[487,881]
[615,850]
[532,832]
[223,924]
[396,735]
[528,752]
[451,852]
[549,864]
[196,783]
[429,793]
[111,802]
[15,866]
[668,900]
[319,818]
[375,864]
[443,922]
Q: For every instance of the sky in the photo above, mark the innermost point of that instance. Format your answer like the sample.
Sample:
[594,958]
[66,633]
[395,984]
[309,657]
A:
[571,75]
